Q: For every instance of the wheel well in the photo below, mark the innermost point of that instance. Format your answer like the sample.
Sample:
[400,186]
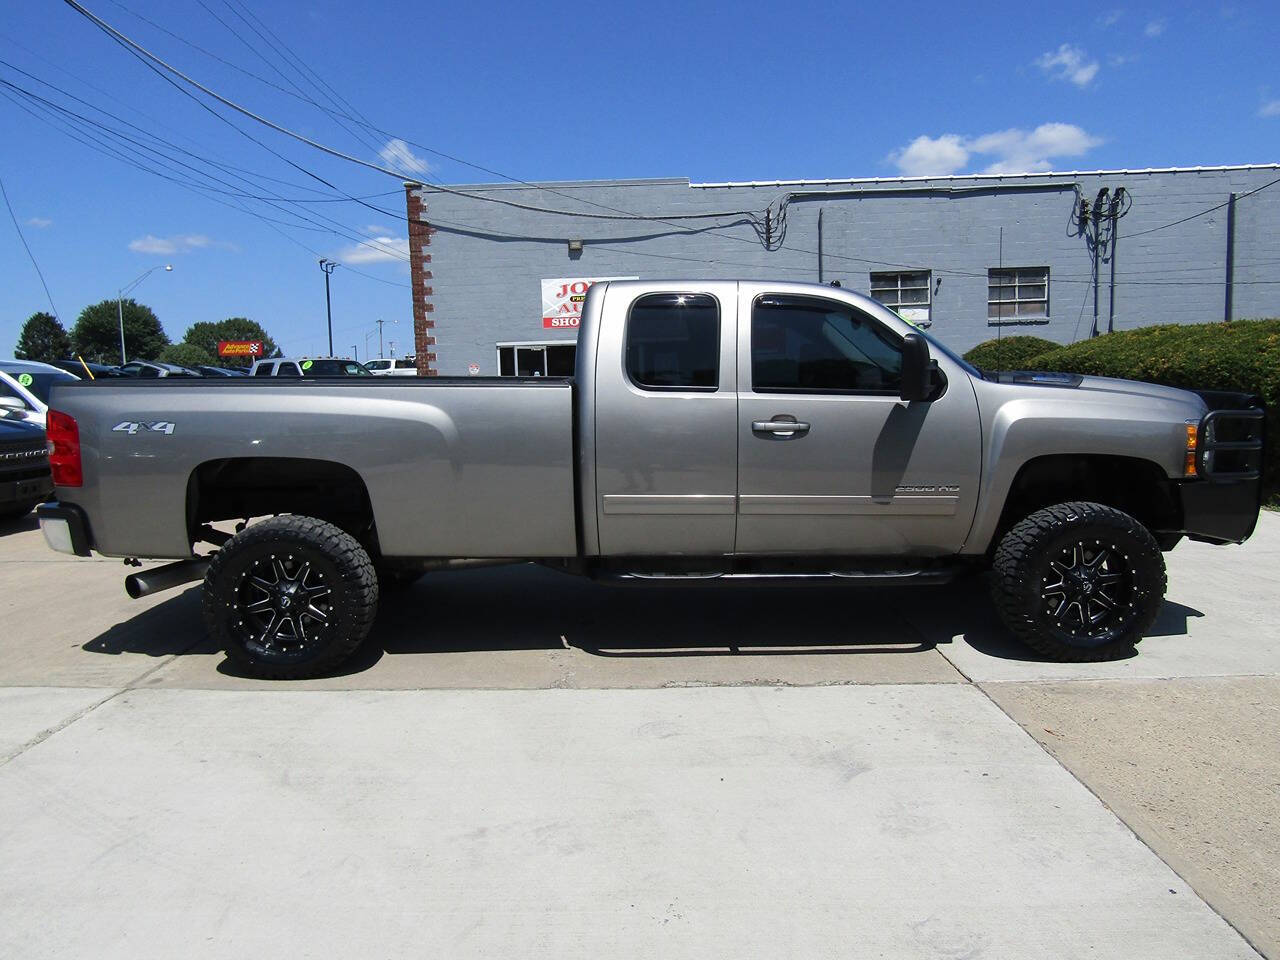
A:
[241,487]
[1138,487]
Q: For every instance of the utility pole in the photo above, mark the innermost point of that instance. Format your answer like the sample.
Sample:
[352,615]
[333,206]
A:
[356,351]
[380,323]
[328,266]
[1231,256]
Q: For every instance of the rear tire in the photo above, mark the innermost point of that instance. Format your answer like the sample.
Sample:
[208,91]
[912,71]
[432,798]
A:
[1079,582]
[290,598]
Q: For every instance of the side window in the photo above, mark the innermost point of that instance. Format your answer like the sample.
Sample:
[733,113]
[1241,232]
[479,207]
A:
[264,370]
[673,342]
[288,370]
[802,344]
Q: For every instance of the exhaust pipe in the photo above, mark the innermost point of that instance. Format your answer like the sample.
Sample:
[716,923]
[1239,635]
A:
[143,584]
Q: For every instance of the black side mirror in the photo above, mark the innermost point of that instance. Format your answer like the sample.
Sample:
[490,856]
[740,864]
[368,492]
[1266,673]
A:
[917,371]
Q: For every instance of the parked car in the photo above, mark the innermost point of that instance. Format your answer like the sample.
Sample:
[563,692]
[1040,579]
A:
[24,387]
[208,371]
[151,369]
[713,430]
[94,370]
[392,367]
[308,367]
[24,468]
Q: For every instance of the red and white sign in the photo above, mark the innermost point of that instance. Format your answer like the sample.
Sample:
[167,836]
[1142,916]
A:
[562,300]
[473,369]
[239,348]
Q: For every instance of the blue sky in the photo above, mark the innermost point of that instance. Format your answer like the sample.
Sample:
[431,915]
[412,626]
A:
[711,92]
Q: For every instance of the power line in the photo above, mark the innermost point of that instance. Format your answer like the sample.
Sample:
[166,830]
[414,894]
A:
[1241,196]
[141,52]
[27,247]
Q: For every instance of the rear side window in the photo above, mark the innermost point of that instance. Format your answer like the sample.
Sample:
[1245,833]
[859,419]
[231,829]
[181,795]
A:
[808,345]
[288,370]
[673,342]
[264,370]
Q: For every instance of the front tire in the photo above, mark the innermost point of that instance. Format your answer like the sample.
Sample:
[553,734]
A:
[1079,582]
[290,598]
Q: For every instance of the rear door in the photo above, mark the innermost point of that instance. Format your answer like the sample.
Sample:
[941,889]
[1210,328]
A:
[831,461]
[666,414]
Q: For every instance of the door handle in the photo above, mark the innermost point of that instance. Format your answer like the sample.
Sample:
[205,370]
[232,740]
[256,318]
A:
[780,428]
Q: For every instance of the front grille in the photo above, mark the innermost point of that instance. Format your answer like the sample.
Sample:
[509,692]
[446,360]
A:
[1231,444]
[24,462]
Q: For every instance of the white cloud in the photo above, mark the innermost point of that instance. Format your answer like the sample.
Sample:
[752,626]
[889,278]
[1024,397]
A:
[1154,28]
[1007,151]
[1069,63]
[925,156]
[397,155]
[376,250]
[1270,109]
[40,222]
[181,243]
[1111,17]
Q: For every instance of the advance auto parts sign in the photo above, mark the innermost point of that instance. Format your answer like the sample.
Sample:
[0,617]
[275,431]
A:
[240,348]
[562,300]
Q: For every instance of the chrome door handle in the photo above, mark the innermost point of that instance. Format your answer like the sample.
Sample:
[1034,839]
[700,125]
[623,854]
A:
[784,428]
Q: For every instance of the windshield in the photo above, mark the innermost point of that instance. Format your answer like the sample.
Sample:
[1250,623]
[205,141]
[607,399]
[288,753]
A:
[935,344]
[333,368]
[39,383]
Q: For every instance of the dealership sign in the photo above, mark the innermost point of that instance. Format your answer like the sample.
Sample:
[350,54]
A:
[240,348]
[562,300]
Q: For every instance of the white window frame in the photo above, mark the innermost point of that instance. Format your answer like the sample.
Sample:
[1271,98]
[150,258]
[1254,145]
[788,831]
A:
[920,314]
[1022,277]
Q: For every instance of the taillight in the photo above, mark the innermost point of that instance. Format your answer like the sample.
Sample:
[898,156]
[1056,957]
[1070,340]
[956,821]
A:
[64,449]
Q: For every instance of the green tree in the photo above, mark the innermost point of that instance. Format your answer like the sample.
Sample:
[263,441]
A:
[96,334]
[206,336]
[42,338]
[187,355]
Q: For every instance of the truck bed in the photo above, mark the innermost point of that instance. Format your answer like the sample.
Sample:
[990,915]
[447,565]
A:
[454,467]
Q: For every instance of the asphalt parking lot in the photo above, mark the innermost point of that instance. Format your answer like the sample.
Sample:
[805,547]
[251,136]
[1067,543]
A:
[525,764]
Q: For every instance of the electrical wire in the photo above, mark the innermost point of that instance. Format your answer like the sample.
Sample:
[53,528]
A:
[26,246]
[1166,226]
[143,54]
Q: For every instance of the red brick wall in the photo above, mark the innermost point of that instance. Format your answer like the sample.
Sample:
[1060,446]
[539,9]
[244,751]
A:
[424,323]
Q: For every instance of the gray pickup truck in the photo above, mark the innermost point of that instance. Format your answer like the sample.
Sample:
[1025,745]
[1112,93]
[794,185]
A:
[713,430]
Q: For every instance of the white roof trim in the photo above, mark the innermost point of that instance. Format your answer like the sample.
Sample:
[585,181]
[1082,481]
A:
[984,176]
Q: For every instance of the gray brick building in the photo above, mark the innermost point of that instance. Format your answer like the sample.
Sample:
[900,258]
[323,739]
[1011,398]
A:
[966,255]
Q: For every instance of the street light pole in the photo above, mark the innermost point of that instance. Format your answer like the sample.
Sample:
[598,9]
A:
[328,266]
[120,302]
[356,351]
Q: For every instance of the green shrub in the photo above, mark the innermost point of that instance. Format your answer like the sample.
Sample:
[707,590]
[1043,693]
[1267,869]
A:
[1009,353]
[1243,355]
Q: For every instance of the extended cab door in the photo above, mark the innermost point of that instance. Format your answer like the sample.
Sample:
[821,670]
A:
[830,459]
[665,388]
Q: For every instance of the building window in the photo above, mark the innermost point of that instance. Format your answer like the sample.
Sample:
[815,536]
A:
[1018,295]
[673,342]
[908,293]
[536,359]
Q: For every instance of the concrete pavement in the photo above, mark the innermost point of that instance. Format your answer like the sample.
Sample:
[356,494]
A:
[896,821]
[878,802]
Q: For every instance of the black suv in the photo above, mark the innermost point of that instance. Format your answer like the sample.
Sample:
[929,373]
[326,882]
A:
[24,469]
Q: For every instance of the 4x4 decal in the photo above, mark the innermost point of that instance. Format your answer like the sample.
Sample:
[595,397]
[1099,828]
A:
[132,427]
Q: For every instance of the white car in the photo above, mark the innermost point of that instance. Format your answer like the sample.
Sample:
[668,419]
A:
[24,388]
[308,367]
[391,367]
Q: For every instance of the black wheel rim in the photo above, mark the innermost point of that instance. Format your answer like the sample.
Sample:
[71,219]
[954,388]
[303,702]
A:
[1088,591]
[283,606]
